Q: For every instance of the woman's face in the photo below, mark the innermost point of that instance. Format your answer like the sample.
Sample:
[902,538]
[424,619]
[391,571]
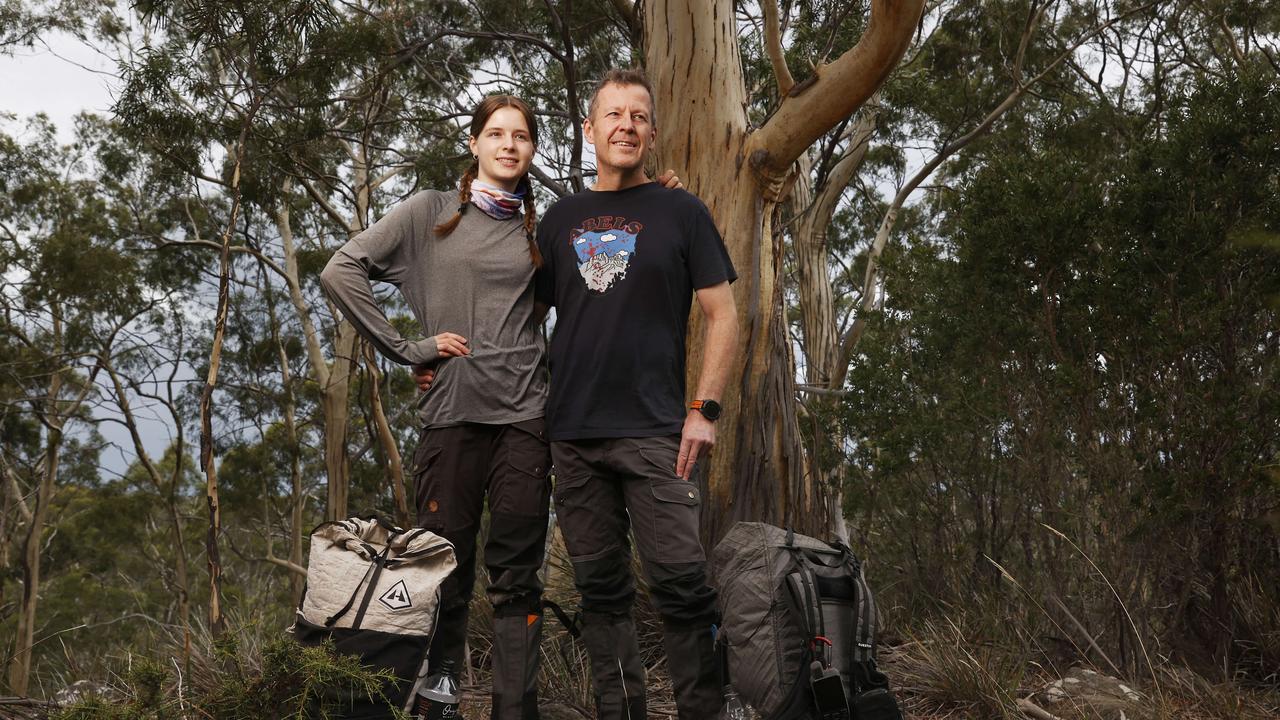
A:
[504,149]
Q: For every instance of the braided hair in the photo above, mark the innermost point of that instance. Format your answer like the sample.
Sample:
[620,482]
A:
[479,118]
[530,221]
[464,199]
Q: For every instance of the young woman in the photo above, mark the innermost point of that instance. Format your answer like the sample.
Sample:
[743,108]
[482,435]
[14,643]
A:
[464,263]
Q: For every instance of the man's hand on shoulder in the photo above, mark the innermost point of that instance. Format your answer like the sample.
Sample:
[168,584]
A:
[669,180]
[696,440]
[423,376]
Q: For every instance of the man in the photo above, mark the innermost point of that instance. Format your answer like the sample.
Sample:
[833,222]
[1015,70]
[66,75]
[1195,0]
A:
[622,263]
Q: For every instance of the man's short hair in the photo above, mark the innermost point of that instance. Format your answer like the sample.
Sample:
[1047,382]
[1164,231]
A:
[625,76]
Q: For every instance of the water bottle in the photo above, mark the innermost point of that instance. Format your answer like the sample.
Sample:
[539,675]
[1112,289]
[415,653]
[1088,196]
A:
[733,707]
[438,697]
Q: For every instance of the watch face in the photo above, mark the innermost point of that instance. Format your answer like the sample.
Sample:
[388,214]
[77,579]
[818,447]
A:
[710,409]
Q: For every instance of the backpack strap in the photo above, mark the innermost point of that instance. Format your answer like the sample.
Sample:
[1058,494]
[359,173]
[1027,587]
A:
[865,624]
[570,624]
[804,601]
[864,627]
[379,561]
[350,601]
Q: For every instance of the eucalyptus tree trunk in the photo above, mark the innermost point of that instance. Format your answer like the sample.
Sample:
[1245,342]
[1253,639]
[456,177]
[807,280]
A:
[813,208]
[335,402]
[757,470]
[333,378]
[54,420]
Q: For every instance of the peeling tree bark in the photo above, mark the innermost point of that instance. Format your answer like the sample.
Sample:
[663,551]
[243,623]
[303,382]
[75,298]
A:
[692,56]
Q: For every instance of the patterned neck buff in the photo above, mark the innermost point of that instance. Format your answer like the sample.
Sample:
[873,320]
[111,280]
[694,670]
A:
[494,201]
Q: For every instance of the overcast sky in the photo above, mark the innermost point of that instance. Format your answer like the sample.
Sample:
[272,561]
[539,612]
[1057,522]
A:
[60,77]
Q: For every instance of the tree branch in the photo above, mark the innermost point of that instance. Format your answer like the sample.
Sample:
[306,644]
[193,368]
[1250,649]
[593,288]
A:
[835,91]
[234,248]
[627,10]
[326,206]
[773,45]
[551,183]
[12,481]
[281,562]
[315,354]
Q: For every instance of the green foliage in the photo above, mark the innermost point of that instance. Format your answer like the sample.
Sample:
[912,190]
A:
[1089,346]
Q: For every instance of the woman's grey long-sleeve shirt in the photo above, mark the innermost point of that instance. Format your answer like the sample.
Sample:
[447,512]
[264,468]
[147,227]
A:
[475,282]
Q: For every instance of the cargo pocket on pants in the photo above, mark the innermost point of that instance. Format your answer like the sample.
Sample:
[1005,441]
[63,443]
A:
[583,518]
[521,481]
[675,522]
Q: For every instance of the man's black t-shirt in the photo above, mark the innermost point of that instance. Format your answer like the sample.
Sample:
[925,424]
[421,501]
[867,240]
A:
[620,267]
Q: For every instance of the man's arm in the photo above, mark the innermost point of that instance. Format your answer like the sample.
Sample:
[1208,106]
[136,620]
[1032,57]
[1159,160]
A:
[719,341]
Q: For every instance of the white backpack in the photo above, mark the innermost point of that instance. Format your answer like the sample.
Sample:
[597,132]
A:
[374,589]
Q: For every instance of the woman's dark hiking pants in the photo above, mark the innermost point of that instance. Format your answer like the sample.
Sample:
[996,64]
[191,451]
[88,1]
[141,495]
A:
[605,491]
[455,468]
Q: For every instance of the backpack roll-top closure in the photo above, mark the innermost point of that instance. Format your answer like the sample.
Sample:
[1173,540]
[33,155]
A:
[391,576]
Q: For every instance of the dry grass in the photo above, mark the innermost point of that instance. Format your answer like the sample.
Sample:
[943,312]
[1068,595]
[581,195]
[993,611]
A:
[956,670]
[952,667]
[973,666]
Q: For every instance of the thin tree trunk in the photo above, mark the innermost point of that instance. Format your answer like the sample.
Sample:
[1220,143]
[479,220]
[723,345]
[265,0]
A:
[334,402]
[334,380]
[11,498]
[20,666]
[171,495]
[216,620]
[386,440]
[820,332]
[296,495]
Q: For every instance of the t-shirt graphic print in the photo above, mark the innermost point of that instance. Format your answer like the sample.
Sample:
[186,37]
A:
[605,247]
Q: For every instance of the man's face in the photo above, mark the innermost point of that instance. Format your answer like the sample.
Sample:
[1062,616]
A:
[621,127]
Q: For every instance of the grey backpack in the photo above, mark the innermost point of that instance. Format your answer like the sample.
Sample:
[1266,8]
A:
[798,627]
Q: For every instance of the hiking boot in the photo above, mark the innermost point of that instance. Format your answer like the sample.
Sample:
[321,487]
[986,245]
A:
[695,676]
[617,674]
[515,667]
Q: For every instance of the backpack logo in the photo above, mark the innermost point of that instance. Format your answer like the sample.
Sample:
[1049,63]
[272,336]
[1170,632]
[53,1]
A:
[397,598]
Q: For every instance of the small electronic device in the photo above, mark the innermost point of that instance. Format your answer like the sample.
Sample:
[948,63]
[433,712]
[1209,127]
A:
[828,692]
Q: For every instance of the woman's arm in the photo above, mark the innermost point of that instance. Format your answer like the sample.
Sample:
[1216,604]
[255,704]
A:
[382,253]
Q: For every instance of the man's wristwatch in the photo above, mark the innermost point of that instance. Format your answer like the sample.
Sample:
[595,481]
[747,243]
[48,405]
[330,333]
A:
[710,409]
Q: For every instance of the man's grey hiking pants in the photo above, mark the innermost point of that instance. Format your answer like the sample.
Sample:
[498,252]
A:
[607,490]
